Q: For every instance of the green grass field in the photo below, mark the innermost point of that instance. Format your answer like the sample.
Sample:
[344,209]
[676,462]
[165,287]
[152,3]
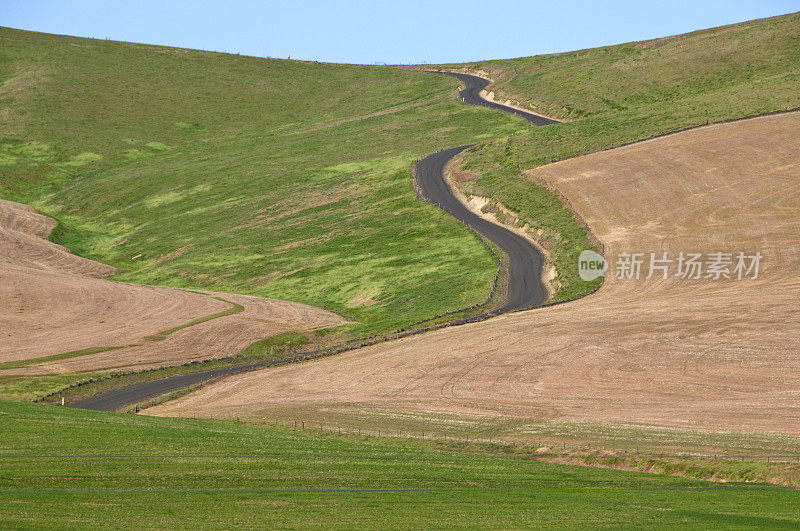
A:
[267,177]
[619,94]
[292,180]
[73,468]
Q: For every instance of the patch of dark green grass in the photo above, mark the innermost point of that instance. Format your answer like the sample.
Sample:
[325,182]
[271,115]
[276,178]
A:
[269,346]
[30,388]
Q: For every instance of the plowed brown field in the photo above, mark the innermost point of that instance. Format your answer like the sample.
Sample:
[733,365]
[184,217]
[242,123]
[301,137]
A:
[53,302]
[715,354]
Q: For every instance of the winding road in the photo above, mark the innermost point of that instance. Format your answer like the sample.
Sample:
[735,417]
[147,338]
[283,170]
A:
[523,261]
[471,95]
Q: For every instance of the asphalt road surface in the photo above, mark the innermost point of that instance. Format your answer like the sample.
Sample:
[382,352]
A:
[132,394]
[471,95]
[523,260]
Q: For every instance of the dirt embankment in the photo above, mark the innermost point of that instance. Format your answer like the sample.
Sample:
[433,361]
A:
[55,302]
[484,206]
[713,354]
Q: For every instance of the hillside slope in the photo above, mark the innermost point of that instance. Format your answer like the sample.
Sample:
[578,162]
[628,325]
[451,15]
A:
[291,179]
[710,74]
[268,177]
[618,94]
[60,314]
[703,354]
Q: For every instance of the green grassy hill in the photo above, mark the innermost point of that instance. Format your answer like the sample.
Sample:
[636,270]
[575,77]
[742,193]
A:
[710,74]
[268,177]
[619,94]
[292,179]
[70,468]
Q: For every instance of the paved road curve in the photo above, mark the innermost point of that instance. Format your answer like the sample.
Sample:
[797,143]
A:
[524,262]
[471,95]
[132,394]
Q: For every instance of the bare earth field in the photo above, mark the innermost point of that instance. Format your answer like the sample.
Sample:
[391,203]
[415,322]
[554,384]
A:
[701,354]
[54,302]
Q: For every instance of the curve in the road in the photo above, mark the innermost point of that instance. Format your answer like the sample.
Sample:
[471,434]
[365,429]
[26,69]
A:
[523,262]
[471,95]
[115,399]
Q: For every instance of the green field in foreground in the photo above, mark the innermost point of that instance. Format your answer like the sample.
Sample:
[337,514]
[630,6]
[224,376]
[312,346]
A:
[623,93]
[73,468]
[277,178]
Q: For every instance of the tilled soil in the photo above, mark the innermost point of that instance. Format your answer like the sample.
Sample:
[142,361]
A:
[52,302]
[709,354]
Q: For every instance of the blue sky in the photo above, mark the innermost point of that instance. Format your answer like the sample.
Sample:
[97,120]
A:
[356,31]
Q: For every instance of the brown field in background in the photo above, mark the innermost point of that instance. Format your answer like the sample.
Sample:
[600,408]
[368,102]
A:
[54,302]
[701,354]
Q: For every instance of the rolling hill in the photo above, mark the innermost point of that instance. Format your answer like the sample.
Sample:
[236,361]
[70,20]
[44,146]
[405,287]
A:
[680,352]
[237,174]
[242,177]
[614,95]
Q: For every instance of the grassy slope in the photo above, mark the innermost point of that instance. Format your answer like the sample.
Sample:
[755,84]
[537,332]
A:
[57,470]
[619,94]
[197,169]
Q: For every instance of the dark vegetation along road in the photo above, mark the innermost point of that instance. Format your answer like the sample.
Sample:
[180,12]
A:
[523,262]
